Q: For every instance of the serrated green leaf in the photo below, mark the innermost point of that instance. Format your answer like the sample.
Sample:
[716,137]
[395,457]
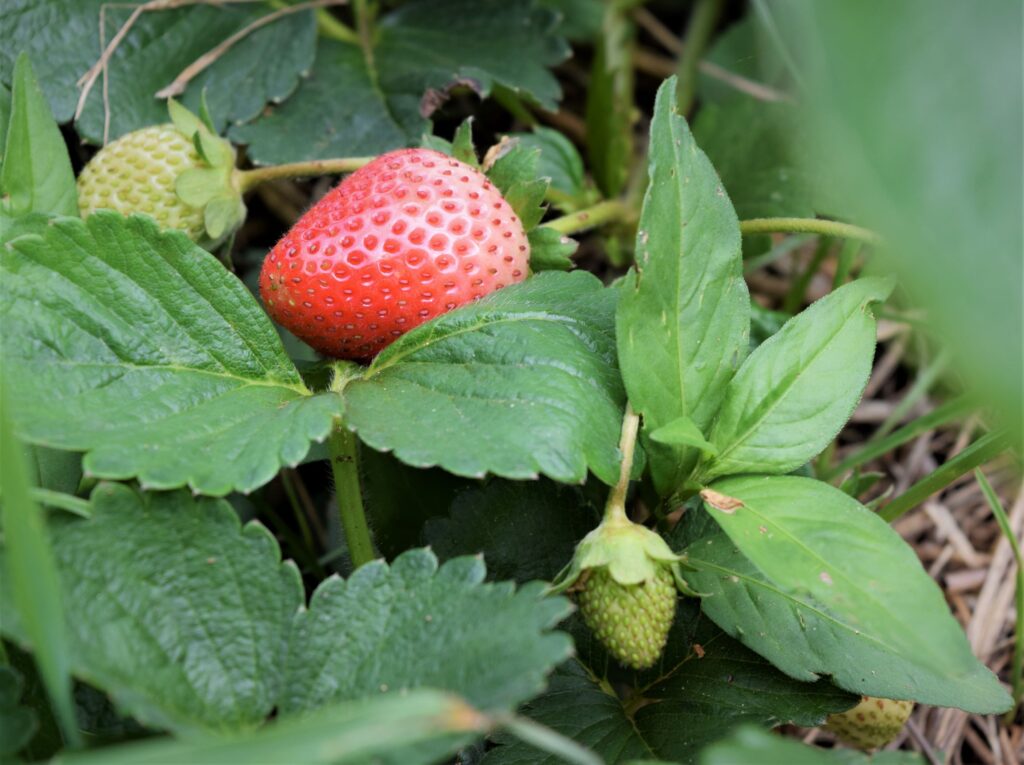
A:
[421,50]
[139,348]
[683,319]
[416,728]
[580,20]
[534,361]
[749,745]
[366,122]
[413,624]
[683,432]
[64,39]
[610,101]
[36,174]
[689,702]
[18,724]
[797,390]
[173,608]
[822,550]
[525,530]
[550,250]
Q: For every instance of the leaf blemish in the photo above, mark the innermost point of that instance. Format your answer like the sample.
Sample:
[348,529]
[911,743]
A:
[721,501]
[825,578]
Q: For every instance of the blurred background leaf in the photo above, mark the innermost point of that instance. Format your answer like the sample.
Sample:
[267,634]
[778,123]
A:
[918,107]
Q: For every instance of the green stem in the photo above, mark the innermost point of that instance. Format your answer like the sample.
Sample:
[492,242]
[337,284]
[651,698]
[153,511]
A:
[1017,676]
[287,481]
[615,508]
[591,217]
[365,13]
[981,451]
[807,226]
[702,23]
[951,410]
[329,26]
[248,179]
[344,453]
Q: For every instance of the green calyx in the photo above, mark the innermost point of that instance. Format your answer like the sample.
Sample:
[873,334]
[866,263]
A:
[212,188]
[631,553]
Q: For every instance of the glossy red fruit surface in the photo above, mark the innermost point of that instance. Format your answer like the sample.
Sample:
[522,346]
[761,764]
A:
[411,235]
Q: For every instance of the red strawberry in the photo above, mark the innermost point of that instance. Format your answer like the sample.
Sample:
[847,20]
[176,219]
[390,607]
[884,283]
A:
[411,235]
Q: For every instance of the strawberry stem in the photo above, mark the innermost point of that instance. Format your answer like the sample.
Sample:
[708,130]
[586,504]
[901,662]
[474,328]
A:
[248,179]
[615,509]
[592,217]
[808,226]
[344,451]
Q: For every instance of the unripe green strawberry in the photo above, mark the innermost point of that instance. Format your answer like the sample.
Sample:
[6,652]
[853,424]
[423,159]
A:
[626,578]
[181,174]
[872,723]
[137,174]
[631,620]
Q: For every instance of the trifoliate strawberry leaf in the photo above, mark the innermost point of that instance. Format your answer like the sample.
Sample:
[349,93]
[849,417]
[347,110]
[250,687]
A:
[863,611]
[534,361]
[139,348]
[419,52]
[173,608]
[64,40]
[550,250]
[525,530]
[697,696]
[35,169]
[792,395]
[684,315]
[388,629]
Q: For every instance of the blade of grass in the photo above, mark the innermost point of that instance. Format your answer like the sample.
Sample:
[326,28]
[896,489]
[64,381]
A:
[948,412]
[918,390]
[31,572]
[978,453]
[1017,676]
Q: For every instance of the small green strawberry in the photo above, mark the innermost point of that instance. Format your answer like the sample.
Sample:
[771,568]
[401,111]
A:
[872,723]
[631,620]
[181,174]
[625,577]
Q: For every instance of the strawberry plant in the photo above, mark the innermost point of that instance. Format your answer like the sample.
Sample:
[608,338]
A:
[530,381]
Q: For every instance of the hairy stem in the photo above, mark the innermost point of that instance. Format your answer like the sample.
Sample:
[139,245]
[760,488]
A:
[248,179]
[343,449]
[702,23]
[981,451]
[615,509]
[592,217]
[808,226]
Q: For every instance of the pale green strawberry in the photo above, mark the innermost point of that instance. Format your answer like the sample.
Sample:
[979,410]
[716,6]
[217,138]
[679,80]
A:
[872,723]
[625,577]
[631,620]
[137,174]
[181,174]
